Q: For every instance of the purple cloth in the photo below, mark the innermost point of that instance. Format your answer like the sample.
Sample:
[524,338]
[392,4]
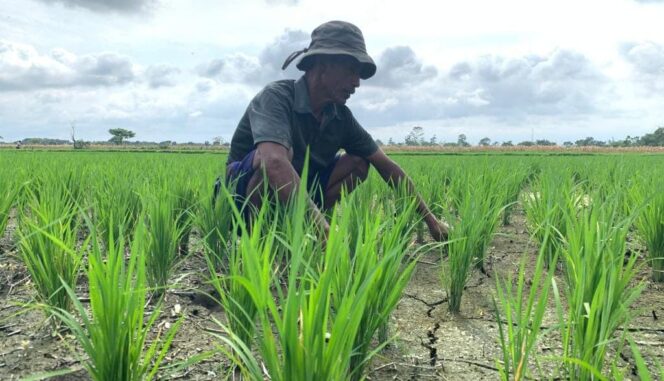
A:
[240,172]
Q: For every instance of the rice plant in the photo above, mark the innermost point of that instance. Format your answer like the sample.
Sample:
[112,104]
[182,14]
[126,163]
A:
[117,205]
[470,235]
[185,200]
[74,181]
[300,337]
[514,182]
[8,193]
[599,285]
[164,236]
[214,221]
[545,206]
[48,244]
[648,199]
[114,336]
[250,258]
[307,331]
[381,248]
[519,313]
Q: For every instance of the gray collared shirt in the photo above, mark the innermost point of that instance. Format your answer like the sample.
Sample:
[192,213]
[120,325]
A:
[281,113]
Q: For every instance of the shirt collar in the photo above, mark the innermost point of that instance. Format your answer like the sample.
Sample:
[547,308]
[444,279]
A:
[302,103]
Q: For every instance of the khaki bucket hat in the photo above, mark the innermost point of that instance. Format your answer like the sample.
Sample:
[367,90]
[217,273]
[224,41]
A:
[334,38]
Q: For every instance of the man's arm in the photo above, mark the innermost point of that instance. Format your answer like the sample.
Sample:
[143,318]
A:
[273,158]
[392,173]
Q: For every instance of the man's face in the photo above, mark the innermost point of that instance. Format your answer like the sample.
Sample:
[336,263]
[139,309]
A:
[340,78]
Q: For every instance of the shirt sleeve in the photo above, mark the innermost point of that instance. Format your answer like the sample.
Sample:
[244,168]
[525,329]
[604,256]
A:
[269,116]
[358,141]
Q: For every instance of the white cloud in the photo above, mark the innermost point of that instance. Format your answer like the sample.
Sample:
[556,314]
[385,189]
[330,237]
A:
[562,83]
[398,67]
[261,69]
[647,61]
[161,75]
[282,2]
[122,6]
[23,68]
[171,70]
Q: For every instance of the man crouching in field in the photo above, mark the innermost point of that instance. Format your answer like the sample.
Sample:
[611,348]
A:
[288,116]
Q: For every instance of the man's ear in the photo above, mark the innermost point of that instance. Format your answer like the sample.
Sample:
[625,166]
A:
[319,69]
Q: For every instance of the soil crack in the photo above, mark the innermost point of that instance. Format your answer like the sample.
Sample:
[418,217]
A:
[432,305]
[432,338]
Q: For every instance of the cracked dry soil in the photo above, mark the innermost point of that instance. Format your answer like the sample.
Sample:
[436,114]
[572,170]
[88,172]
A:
[430,343]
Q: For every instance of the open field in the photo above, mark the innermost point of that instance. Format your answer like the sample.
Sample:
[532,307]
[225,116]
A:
[379,300]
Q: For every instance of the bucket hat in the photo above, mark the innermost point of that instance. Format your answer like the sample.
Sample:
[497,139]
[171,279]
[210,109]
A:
[335,38]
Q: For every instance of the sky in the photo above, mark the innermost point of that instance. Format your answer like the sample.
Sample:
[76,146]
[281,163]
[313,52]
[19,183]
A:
[186,70]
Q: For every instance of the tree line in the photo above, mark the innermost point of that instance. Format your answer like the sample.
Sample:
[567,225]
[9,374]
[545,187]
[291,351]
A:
[416,138]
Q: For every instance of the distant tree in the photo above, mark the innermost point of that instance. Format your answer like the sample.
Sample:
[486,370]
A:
[508,144]
[415,137]
[379,143]
[629,141]
[207,143]
[44,141]
[450,144]
[655,139]
[544,142]
[73,133]
[78,144]
[484,142]
[568,144]
[217,140]
[119,134]
[589,142]
[618,143]
[526,143]
[433,141]
[462,141]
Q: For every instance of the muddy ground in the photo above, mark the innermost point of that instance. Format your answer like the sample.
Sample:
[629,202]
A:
[430,343]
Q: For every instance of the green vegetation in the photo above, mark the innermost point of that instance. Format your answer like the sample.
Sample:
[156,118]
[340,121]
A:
[600,284]
[162,218]
[648,198]
[550,195]
[8,193]
[523,315]
[294,306]
[48,241]
[476,199]
[115,336]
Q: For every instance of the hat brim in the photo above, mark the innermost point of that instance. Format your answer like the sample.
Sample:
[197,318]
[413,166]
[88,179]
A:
[367,70]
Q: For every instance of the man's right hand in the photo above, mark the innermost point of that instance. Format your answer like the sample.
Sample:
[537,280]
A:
[439,230]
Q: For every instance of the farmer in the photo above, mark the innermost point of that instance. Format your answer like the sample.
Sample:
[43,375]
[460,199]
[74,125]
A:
[289,116]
